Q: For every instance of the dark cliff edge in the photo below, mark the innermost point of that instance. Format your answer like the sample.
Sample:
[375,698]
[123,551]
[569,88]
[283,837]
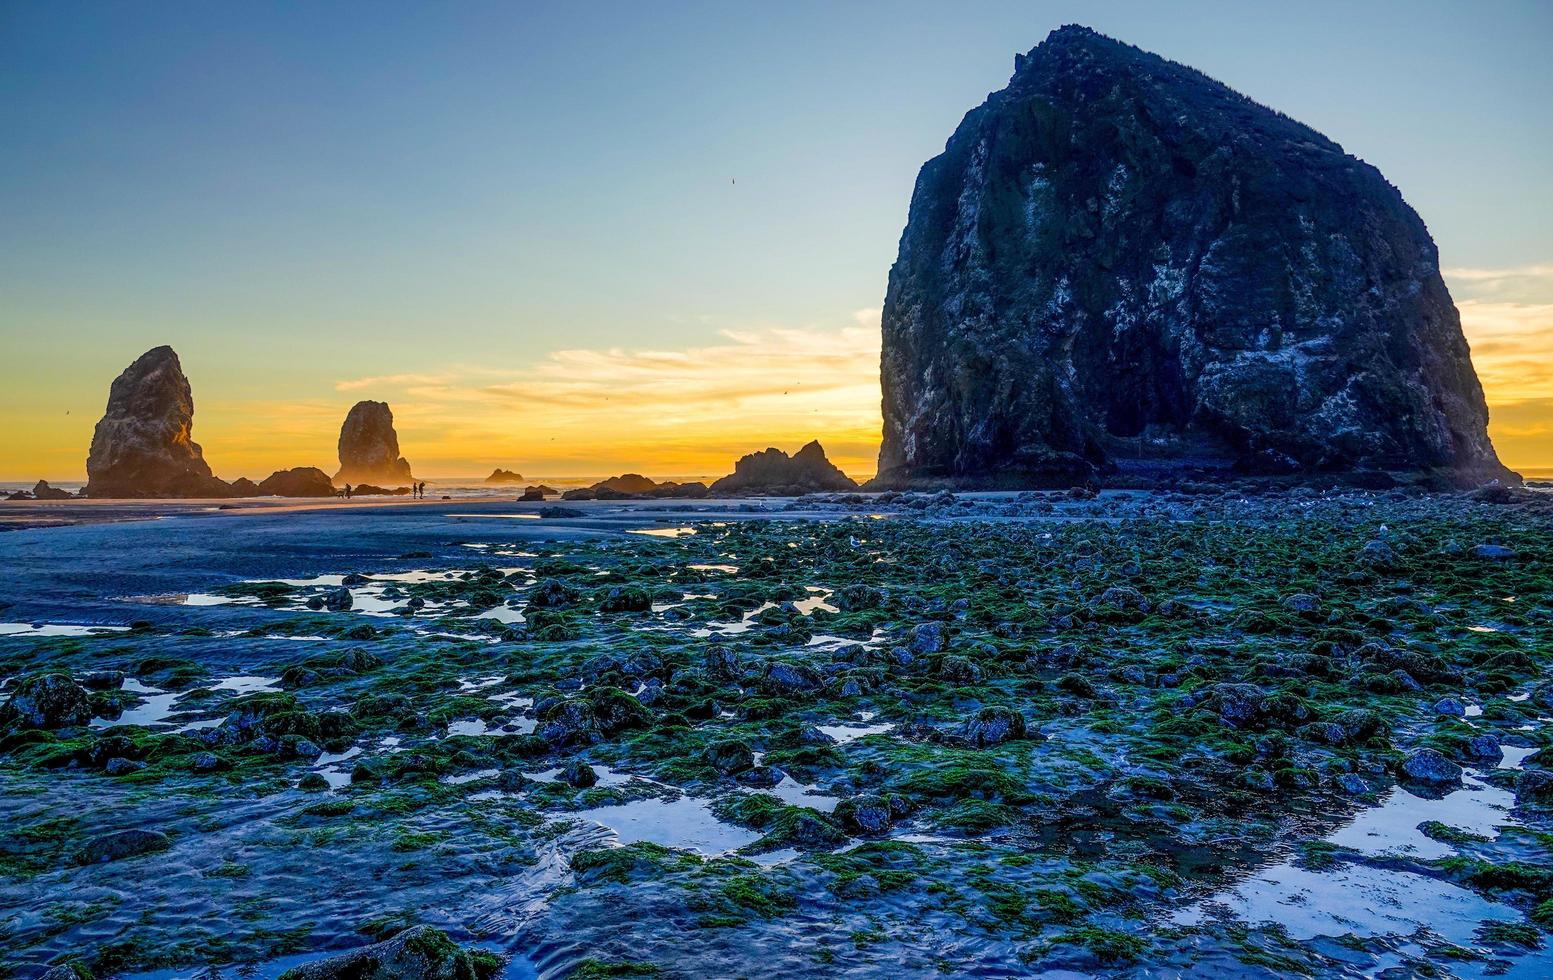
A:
[1122,271]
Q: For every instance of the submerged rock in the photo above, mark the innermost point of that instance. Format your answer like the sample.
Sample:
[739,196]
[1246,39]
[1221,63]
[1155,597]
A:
[1119,266]
[123,844]
[144,446]
[422,953]
[369,447]
[772,471]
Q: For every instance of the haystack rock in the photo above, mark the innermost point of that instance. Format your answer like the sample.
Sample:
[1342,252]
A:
[774,472]
[369,448]
[1119,268]
[144,446]
[500,476]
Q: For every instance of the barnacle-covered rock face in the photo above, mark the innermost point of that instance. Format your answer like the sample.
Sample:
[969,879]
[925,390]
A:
[1120,268]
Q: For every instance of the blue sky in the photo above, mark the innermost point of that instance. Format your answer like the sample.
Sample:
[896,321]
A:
[305,197]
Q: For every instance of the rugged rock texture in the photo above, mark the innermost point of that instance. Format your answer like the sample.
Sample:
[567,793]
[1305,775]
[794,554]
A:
[143,446]
[774,472]
[47,701]
[1121,267]
[369,447]
[300,481]
[501,476]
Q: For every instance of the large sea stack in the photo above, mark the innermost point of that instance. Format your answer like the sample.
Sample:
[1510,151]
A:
[1121,269]
[144,445]
[369,448]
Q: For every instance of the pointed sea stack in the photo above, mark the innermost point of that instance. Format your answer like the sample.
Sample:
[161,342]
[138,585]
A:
[1120,269]
[144,446]
[369,448]
[773,472]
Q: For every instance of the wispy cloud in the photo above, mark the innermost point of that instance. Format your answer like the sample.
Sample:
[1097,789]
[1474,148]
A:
[688,410]
[1470,274]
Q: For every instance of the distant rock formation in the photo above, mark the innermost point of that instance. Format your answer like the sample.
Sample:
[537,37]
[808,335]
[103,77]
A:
[369,447]
[1119,267]
[775,473]
[632,486]
[627,483]
[301,481]
[501,476]
[41,491]
[143,446]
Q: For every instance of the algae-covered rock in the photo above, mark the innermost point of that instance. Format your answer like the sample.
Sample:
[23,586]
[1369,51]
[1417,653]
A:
[421,953]
[47,701]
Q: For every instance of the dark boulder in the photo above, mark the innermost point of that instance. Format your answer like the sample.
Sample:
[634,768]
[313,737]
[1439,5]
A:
[864,815]
[47,701]
[993,726]
[1431,768]
[729,756]
[122,844]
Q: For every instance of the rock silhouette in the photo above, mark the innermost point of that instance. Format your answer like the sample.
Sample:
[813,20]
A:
[772,471]
[300,481]
[143,446]
[501,476]
[369,447]
[1120,268]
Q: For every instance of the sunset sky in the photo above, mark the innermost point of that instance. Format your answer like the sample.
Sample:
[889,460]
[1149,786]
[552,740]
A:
[578,239]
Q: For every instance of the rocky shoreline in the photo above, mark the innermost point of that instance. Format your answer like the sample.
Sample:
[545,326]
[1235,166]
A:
[848,732]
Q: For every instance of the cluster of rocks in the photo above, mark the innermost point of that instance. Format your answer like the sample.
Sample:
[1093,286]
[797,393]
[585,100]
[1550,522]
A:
[143,446]
[773,472]
[633,486]
[42,491]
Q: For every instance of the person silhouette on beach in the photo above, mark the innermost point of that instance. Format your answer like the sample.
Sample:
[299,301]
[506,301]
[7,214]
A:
[347,491]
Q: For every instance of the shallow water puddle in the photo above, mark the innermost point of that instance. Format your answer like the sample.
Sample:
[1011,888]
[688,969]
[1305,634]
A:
[247,684]
[1355,898]
[57,629]
[154,708]
[686,823]
[851,733]
[791,791]
[157,705]
[478,726]
[1392,827]
[1368,900]
[328,766]
[663,532]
